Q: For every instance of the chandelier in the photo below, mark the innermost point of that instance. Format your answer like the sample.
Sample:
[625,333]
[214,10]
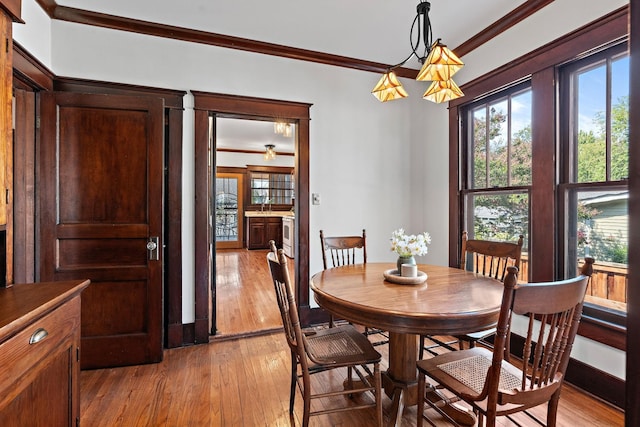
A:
[270,152]
[439,64]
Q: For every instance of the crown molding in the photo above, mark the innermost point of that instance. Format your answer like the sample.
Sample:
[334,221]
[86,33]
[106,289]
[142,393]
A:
[81,16]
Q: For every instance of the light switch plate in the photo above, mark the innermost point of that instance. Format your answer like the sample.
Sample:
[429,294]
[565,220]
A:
[315,198]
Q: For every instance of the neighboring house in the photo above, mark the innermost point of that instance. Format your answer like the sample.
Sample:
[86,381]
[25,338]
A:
[612,217]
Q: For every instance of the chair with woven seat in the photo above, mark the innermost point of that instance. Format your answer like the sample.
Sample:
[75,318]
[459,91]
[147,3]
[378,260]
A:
[322,350]
[343,250]
[486,257]
[487,380]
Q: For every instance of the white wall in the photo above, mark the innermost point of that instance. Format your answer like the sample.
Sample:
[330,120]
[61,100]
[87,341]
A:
[35,35]
[359,161]
[376,166]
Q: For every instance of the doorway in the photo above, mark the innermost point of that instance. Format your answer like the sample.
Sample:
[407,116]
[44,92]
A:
[209,105]
[229,209]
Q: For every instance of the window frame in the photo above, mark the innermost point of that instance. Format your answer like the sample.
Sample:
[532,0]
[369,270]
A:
[568,165]
[270,170]
[540,66]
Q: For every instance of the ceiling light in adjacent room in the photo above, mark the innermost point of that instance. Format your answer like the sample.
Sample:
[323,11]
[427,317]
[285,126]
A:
[270,152]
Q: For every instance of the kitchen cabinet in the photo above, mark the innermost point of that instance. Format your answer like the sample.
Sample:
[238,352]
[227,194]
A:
[40,348]
[261,229]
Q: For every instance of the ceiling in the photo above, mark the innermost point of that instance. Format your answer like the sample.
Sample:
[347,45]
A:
[250,135]
[370,30]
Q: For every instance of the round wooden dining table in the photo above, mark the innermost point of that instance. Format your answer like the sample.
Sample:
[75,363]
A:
[450,302]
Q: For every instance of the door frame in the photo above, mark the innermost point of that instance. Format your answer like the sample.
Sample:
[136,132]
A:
[205,105]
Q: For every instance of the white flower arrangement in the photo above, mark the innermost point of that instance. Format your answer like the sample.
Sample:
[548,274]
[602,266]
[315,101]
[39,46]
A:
[410,245]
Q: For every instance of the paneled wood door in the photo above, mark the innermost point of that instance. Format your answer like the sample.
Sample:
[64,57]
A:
[100,193]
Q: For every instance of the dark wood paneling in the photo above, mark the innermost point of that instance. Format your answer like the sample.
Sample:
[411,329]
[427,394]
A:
[172,98]
[24,187]
[30,70]
[632,403]
[542,226]
[13,9]
[202,239]
[455,213]
[173,228]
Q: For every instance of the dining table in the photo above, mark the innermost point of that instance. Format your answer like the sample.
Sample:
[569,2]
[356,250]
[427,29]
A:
[450,301]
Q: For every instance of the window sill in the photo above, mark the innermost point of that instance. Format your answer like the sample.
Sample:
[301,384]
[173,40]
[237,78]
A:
[608,333]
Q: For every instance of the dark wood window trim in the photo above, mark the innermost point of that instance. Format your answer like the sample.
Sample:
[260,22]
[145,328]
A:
[278,170]
[540,67]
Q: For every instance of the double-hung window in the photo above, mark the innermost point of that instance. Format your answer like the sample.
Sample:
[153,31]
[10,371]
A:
[595,162]
[497,155]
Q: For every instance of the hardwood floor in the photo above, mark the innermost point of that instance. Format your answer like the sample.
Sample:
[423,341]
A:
[245,382]
[246,301]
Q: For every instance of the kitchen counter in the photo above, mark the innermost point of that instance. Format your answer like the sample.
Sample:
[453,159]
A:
[280,214]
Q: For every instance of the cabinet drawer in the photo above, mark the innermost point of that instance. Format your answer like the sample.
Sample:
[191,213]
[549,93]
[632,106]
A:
[20,358]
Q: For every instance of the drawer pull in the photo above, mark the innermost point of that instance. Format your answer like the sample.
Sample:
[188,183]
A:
[38,336]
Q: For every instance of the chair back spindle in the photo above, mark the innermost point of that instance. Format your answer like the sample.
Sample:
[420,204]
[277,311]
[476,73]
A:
[489,258]
[342,250]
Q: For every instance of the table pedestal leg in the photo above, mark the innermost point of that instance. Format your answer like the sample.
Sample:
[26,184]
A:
[400,382]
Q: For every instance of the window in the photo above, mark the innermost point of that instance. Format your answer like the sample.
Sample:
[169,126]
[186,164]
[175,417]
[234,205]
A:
[595,169]
[572,191]
[496,187]
[577,193]
[268,187]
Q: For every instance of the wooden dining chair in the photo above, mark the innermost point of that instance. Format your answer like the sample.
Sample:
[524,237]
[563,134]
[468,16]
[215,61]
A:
[343,250]
[273,248]
[322,350]
[486,257]
[486,379]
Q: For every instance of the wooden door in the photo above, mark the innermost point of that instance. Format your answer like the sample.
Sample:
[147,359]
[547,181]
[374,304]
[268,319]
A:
[100,184]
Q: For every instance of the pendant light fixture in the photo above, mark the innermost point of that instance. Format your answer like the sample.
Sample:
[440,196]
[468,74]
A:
[439,64]
[270,152]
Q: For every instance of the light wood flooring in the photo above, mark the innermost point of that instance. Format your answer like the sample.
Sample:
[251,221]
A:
[245,381]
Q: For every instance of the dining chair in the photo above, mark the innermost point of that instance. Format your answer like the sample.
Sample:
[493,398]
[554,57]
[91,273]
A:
[343,250]
[322,350]
[488,258]
[487,380]
[272,247]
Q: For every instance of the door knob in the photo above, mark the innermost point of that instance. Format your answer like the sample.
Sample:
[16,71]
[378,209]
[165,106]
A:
[152,247]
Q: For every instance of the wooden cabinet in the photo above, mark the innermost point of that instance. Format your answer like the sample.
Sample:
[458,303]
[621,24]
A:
[261,229]
[40,351]
[10,11]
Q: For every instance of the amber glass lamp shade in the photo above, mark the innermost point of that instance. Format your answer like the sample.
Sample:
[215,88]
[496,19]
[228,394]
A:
[441,64]
[389,88]
[442,91]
